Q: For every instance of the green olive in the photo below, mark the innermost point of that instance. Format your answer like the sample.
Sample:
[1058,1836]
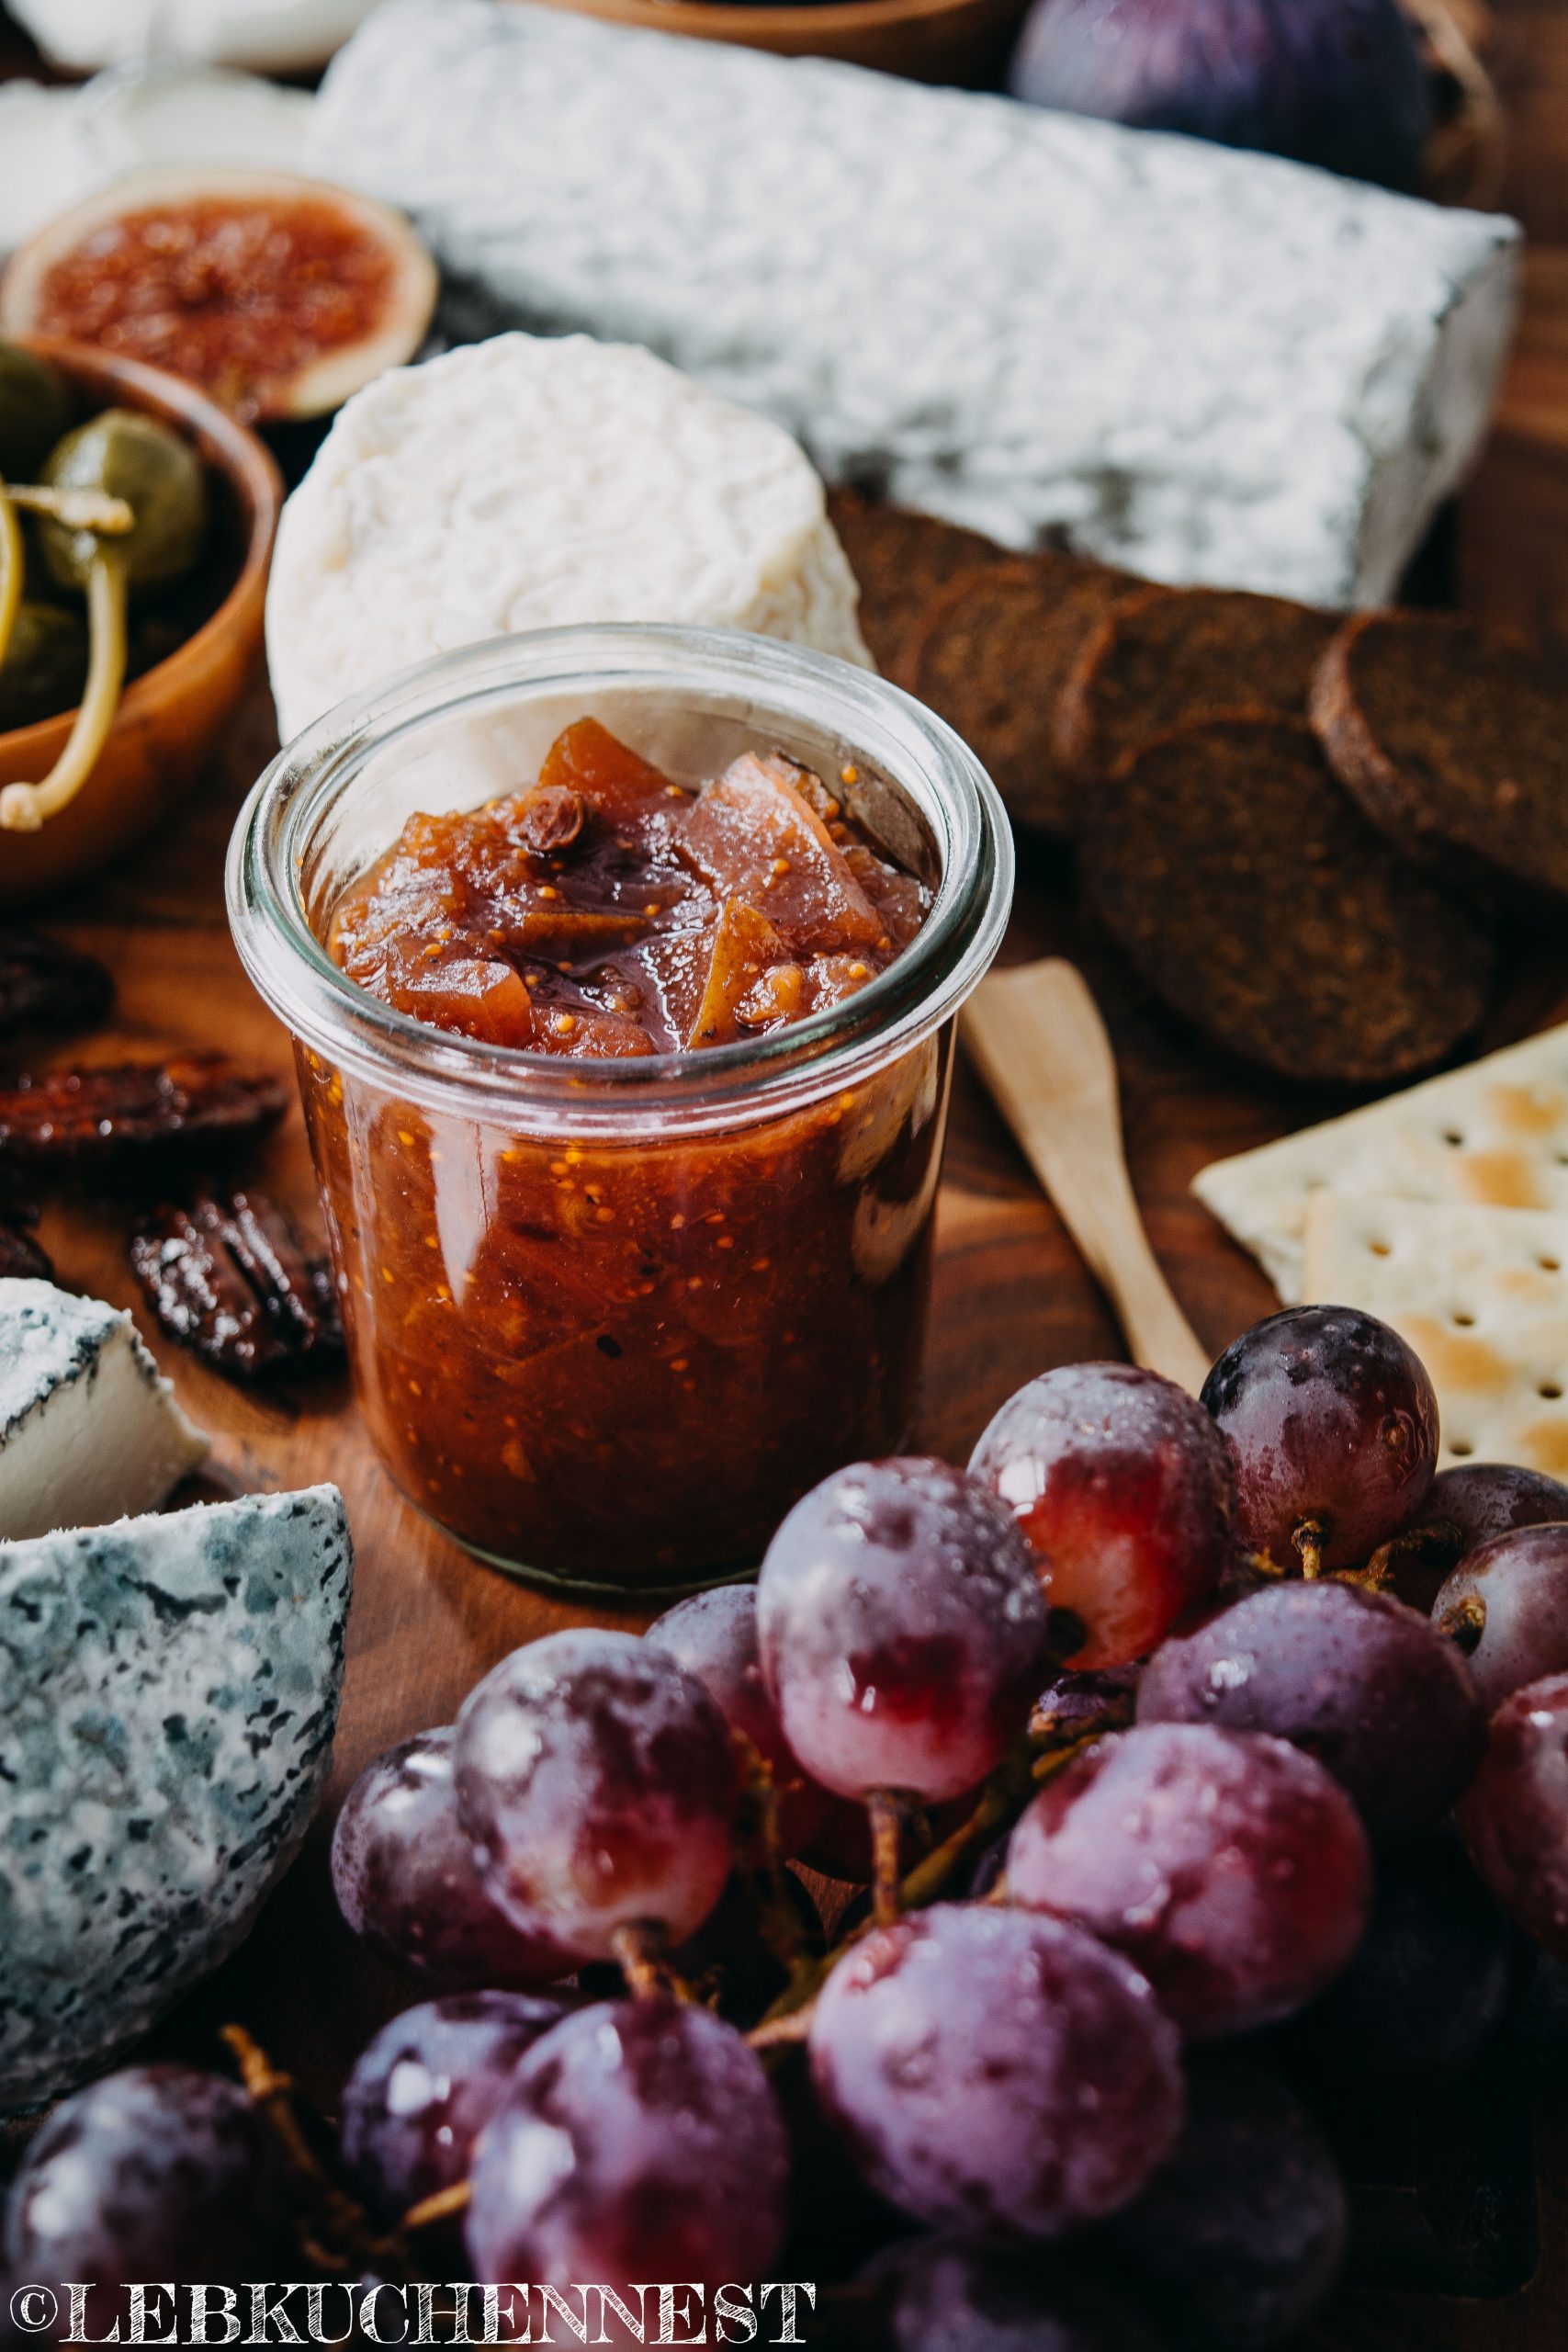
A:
[130,457]
[35,410]
[45,665]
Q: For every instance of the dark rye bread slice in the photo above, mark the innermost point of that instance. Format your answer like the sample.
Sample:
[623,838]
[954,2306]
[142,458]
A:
[1171,656]
[990,657]
[900,559]
[1454,742]
[1253,896]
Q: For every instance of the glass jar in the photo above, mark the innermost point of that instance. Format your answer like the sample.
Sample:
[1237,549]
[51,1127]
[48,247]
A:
[609,1319]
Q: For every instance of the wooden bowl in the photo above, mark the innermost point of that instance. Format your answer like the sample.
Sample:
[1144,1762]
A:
[925,40]
[170,720]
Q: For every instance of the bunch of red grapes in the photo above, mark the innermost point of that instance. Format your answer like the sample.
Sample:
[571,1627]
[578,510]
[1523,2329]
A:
[1167,1721]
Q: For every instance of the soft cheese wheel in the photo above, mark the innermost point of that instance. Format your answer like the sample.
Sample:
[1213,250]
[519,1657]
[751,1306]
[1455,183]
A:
[531,483]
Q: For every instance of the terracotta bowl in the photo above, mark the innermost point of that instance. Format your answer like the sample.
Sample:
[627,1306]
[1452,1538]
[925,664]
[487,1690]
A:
[170,720]
[926,41]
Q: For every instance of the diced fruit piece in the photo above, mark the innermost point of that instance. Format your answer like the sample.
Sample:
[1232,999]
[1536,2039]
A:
[1240,2238]
[406,1880]
[899,1623]
[597,1783]
[1506,1606]
[1514,1815]
[996,2071]
[1332,1425]
[1229,1868]
[745,947]
[586,758]
[1354,1678]
[754,837]
[423,2088]
[639,2141]
[474,995]
[1124,1490]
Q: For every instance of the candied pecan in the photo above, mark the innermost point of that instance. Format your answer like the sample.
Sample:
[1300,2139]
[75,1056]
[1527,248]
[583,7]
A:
[44,984]
[135,1110]
[227,1275]
[20,1256]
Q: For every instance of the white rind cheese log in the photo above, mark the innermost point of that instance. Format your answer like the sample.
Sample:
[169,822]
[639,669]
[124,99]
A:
[1205,364]
[89,1429]
[532,482]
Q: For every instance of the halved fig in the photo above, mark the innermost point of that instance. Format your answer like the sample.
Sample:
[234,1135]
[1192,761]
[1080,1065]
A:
[281,295]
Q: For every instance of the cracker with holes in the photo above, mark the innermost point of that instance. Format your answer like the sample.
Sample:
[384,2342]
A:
[1481,1294]
[1493,1134]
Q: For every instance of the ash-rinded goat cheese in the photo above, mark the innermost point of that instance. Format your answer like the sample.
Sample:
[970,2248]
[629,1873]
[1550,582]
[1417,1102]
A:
[1202,364]
[89,1429]
[528,483]
[170,1693]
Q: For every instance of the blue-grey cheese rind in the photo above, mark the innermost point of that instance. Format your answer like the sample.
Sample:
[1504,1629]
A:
[1202,364]
[169,1690]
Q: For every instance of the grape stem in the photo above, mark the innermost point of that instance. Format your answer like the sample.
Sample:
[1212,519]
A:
[342,2238]
[77,510]
[1309,1539]
[1437,1546]
[887,1813]
[639,1947]
[25,806]
[1464,1622]
[441,2206]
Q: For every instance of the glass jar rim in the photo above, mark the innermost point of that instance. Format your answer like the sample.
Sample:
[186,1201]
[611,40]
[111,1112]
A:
[903,741]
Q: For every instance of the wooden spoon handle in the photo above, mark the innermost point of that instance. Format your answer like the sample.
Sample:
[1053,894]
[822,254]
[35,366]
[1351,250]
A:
[1037,1040]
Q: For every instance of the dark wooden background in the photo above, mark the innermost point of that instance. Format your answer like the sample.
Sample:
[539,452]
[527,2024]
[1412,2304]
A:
[1011,1296]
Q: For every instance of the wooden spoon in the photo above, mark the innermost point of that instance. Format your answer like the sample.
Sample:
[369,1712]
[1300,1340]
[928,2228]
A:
[1037,1040]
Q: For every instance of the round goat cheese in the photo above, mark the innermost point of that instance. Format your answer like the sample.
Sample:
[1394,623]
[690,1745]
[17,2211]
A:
[531,483]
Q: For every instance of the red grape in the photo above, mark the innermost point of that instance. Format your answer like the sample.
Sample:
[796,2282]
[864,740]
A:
[1514,1815]
[639,2141]
[1228,1866]
[714,1636]
[1506,1605]
[1485,1498]
[900,1626]
[421,2092]
[597,1781]
[406,1880]
[1354,1678]
[154,2172]
[1124,1490]
[1240,2238]
[1429,1983]
[996,2070]
[1333,1426]
[941,2294]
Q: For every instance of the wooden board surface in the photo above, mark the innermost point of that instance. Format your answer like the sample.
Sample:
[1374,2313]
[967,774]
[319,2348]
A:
[1011,1296]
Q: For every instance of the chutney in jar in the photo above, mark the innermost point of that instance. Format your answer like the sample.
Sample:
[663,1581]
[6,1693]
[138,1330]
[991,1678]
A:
[617,1363]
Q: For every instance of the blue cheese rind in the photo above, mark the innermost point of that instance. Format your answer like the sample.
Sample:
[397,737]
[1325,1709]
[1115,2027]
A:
[1202,364]
[89,1428]
[170,1692]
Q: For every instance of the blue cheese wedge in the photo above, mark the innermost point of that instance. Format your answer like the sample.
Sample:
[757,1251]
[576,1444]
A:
[531,483]
[171,1692]
[1202,364]
[89,1429]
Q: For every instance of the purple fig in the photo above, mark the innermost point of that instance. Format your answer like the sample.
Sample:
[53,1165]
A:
[1337,82]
